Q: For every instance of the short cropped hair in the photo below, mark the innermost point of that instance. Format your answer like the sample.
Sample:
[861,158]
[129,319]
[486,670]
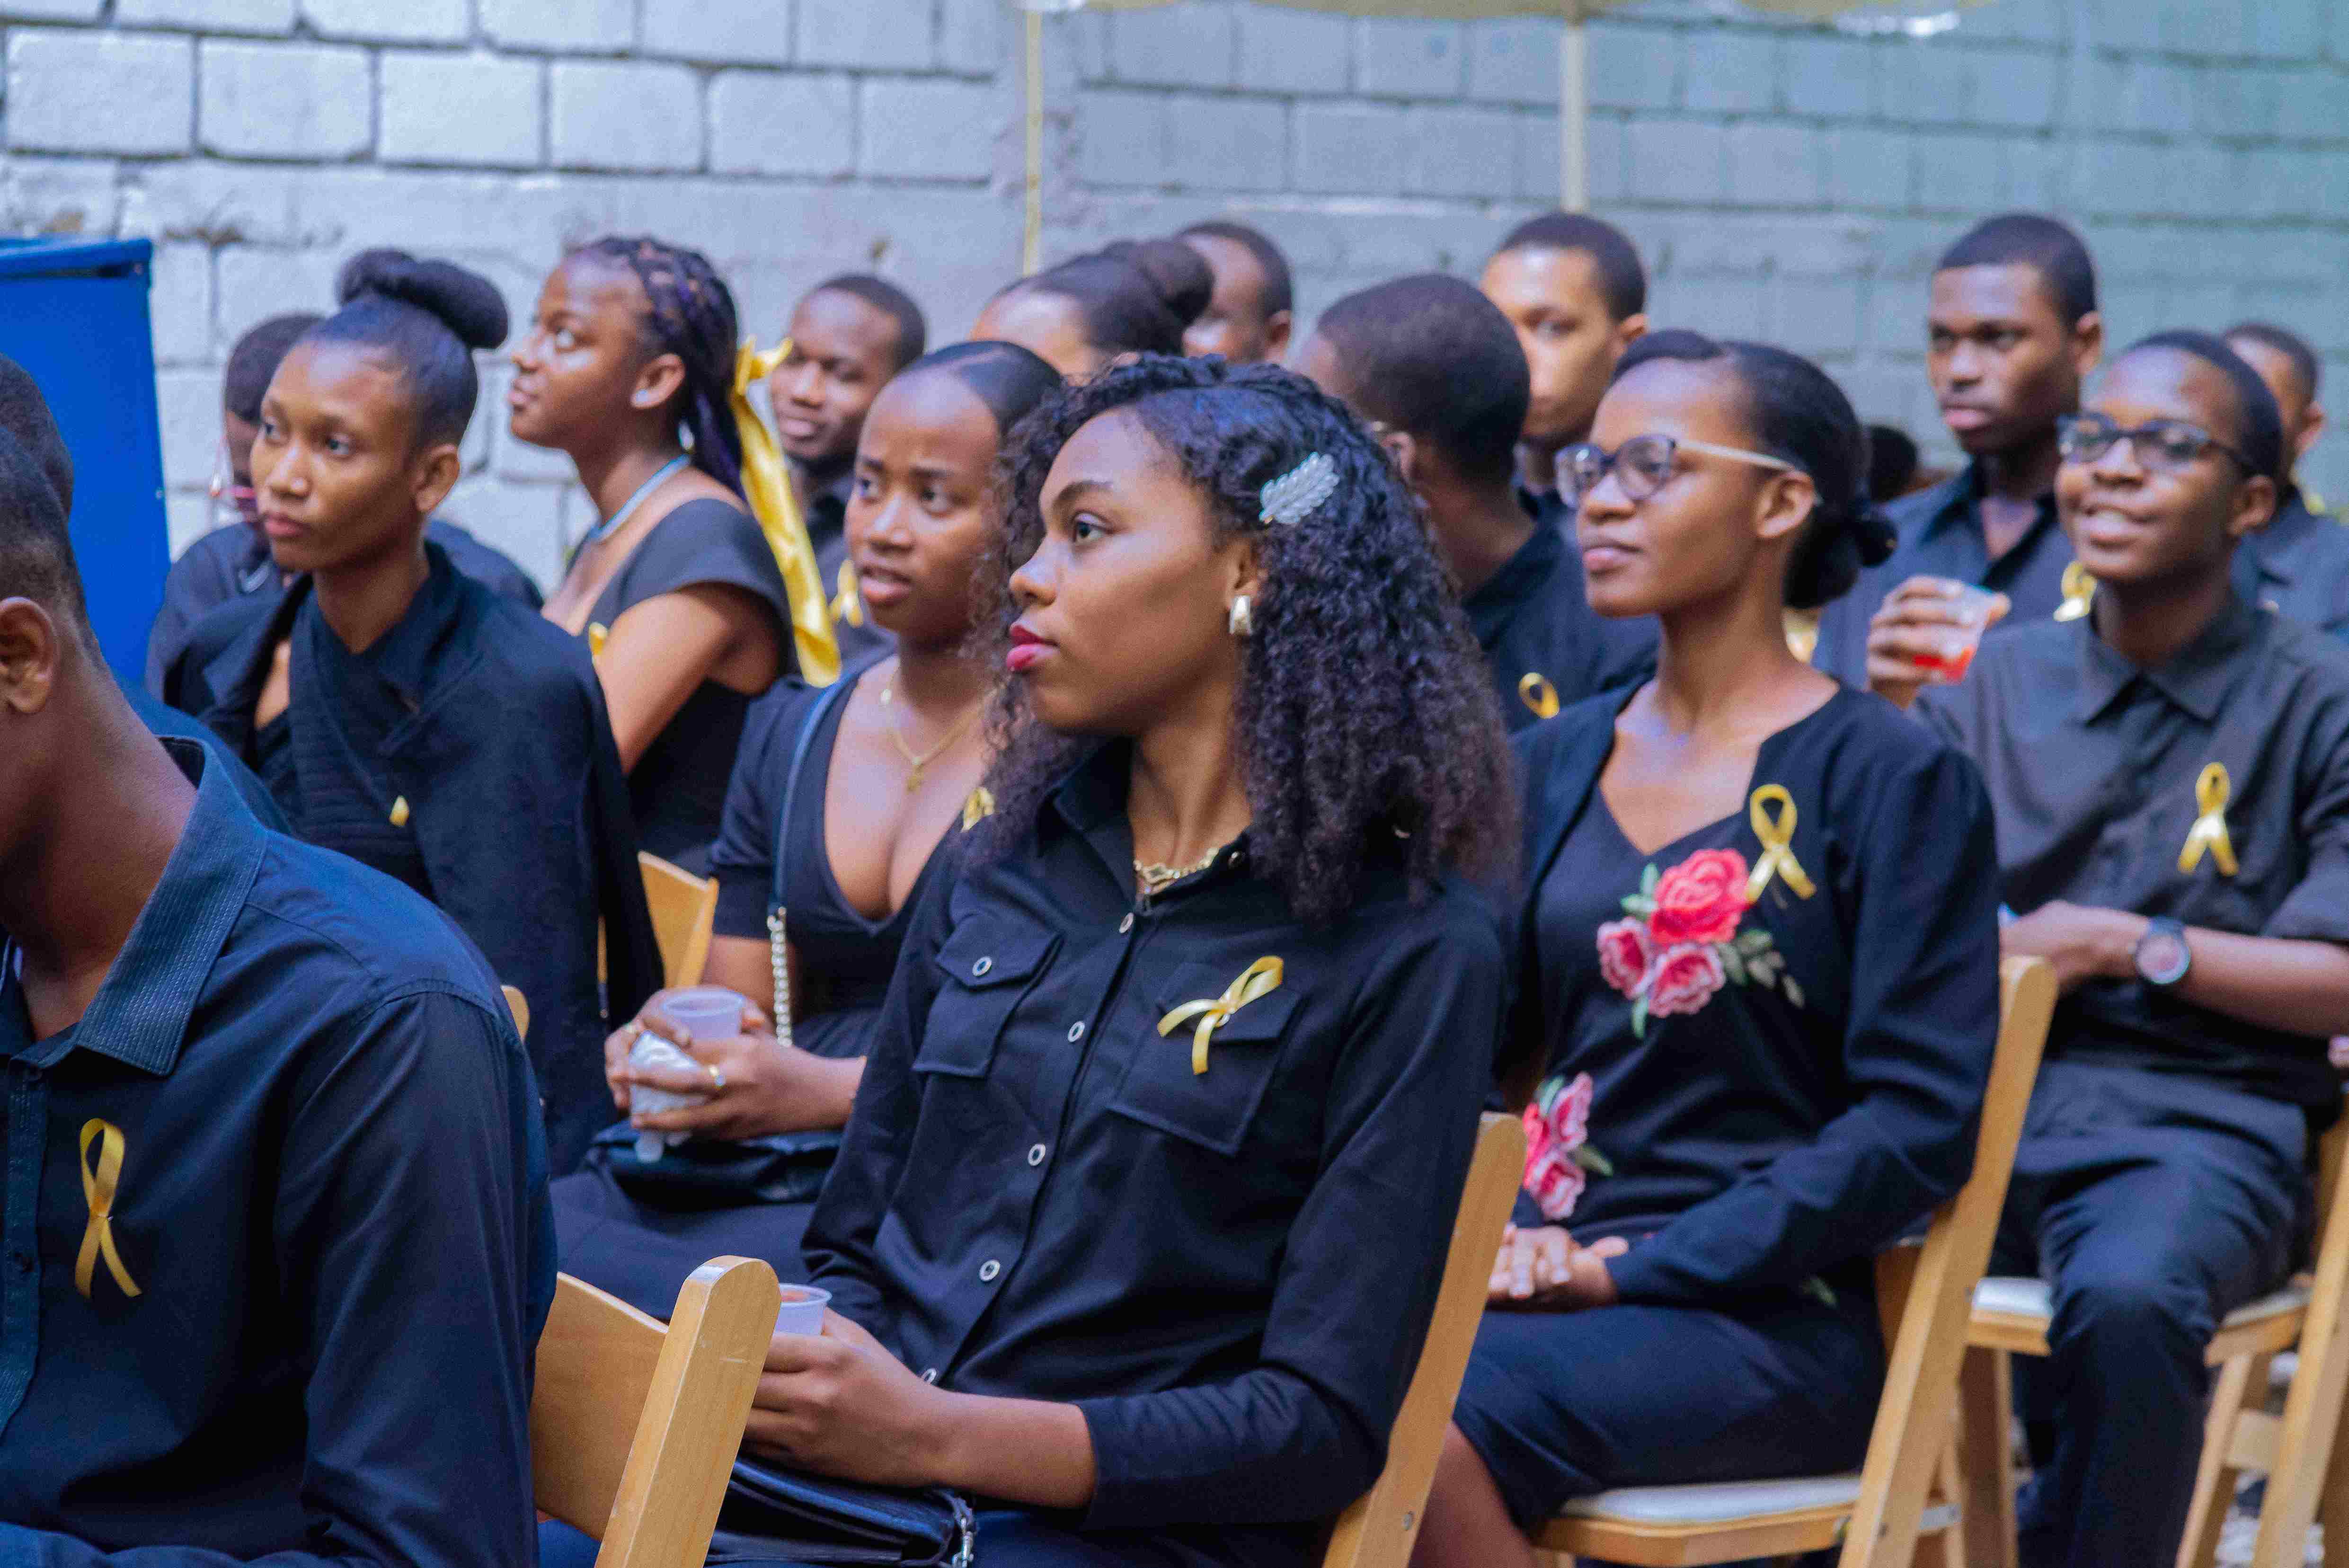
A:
[36,558]
[1280,287]
[1431,355]
[2046,246]
[2259,423]
[1623,281]
[912,328]
[254,360]
[25,414]
[2306,368]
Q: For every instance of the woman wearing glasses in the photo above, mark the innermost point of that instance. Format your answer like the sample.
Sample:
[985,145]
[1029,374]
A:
[1759,983]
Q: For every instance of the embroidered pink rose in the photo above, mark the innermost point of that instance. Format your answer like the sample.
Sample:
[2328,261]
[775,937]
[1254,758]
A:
[1557,1150]
[1624,954]
[1684,979]
[1555,1185]
[1701,900]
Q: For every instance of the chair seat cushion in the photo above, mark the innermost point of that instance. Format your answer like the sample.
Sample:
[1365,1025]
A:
[2011,1296]
[1717,1502]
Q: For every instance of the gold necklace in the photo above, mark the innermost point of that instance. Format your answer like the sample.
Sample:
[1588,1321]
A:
[1155,877]
[916,763]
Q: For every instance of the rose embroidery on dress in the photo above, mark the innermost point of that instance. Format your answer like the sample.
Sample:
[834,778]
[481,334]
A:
[1681,941]
[1559,1159]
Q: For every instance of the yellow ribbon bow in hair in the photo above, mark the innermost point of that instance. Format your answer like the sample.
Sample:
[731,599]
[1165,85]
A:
[1256,980]
[848,601]
[1535,692]
[2209,830]
[2079,592]
[98,1191]
[1777,836]
[768,487]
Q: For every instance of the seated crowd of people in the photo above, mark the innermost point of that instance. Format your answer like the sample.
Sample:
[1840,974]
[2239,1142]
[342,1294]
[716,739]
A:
[1158,798]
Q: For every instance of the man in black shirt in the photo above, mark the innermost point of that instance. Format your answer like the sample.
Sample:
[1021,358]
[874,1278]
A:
[274,1211]
[1248,316]
[1574,289]
[1436,370]
[2170,775]
[849,335]
[2299,564]
[2011,331]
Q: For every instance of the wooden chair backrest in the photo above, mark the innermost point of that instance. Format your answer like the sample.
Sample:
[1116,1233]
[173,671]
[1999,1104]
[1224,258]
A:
[1378,1530]
[1926,1293]
[684,908]
[519,1006]
[634,1426]
[2330,1166]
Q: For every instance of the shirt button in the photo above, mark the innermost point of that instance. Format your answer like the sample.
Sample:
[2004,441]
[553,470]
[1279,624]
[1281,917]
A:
[1126,925]
[1036,1155]
[988,1270]
[979,969]
[929,1374]
[1076,1031]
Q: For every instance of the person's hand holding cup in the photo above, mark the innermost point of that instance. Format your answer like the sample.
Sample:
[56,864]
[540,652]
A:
[1929,630]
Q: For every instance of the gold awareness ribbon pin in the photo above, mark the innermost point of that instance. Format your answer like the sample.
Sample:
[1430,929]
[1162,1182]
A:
[1778,838]
[977,807]
[2079,592]
[1256,980]
[97,1191]
[848,602]
[2209,830]
[1535,692]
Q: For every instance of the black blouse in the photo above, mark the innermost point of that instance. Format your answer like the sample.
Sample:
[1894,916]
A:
[1229,1271]
[2298,566]
[1774,1088]
[845,958]
[678,785]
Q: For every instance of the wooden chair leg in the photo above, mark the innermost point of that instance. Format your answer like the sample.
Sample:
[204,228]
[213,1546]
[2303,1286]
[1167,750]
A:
[1947,1548]
[2240,1381]
[1986,1458]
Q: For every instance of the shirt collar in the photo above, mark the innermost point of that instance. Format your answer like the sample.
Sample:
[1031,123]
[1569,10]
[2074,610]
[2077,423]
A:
[1090,801]
[2197,677]
[140,1017]
[1521,577]
[2275,549]
[402,658]
[1957,501]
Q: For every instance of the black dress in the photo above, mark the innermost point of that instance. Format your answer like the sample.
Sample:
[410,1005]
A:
[627,1242]
[1756,1092]
[678,785]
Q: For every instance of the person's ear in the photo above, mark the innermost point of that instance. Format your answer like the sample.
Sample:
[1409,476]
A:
[31,651]
[2312,425]
[1788,498]
[2087,345]
[433,475]
[1403,448]
[659,379]
[1243,572]
[1276,328]
[1628,331]
[2255,503]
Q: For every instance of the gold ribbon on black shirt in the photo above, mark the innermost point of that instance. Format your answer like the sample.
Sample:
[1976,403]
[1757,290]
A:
[2211,791]
[1256,980]
[1778,837]
[97,1190]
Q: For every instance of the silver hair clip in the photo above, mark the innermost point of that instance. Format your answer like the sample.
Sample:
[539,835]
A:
[1299,493]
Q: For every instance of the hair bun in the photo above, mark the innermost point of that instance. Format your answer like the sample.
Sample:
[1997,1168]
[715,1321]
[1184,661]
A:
[1176,274]
[1872,530]
[466,303]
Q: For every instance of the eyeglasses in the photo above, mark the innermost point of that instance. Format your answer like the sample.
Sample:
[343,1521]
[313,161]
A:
[2165,445]
[1643,463]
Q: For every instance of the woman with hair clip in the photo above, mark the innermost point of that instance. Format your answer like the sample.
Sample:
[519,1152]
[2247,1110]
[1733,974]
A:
[1139,1221]
[1758,988]
[402,713]
[628,370]
[842,801]
[1136,296]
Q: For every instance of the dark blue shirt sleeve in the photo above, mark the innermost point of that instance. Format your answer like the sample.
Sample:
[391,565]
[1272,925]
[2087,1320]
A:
[1917,1045]
[404,1224]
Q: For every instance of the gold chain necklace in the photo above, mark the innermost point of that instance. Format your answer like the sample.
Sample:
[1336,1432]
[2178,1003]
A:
[915,764]
[1157,878]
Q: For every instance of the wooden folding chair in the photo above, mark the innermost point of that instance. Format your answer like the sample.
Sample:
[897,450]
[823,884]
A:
[634,1426]
[1378,1530]
[2295,1452]
[519,1006]
[1924,1294]
[684,908]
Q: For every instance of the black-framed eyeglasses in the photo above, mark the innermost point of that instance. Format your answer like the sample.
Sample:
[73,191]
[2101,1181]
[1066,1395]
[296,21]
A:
[2165,445]
[1642,464]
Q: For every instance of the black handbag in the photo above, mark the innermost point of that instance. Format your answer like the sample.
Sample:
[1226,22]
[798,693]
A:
[776,1516]
[717,1173]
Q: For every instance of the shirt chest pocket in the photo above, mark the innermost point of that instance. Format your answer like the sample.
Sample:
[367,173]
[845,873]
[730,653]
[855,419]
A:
[987,969]
[1214,1109]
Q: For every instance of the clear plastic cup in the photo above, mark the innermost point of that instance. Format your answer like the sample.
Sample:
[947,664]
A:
[802,1310]
[1975,609]
[652,1053]
[705,1012]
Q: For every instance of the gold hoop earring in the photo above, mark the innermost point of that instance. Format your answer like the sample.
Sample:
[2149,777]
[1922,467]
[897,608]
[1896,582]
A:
[1242,620]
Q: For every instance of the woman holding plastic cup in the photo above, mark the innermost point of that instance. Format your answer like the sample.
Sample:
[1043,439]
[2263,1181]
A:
[839,804]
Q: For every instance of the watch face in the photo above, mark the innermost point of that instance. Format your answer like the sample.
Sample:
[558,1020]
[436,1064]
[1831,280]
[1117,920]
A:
[2162,955]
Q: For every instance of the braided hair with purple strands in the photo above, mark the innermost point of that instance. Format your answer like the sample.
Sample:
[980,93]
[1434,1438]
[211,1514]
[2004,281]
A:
[690,312]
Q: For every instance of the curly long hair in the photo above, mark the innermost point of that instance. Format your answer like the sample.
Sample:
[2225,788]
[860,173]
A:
[1367,724]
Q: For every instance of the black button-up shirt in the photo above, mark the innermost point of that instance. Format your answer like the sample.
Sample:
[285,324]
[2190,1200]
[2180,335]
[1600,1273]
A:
[1940,535]
[1230,1272]
[332,1202]
[1532,618]
[2093,765]
[2298,566]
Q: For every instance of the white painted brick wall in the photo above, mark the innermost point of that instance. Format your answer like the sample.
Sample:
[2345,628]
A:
[1782,180]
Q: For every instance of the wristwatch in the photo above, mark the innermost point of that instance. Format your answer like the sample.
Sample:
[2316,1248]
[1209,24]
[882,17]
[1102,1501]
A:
[2162,955]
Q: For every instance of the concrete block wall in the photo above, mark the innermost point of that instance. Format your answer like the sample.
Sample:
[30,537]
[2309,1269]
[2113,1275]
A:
[1788,181]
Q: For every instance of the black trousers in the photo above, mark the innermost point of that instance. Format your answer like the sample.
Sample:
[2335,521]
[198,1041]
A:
[2154,1204]
[642,1254]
